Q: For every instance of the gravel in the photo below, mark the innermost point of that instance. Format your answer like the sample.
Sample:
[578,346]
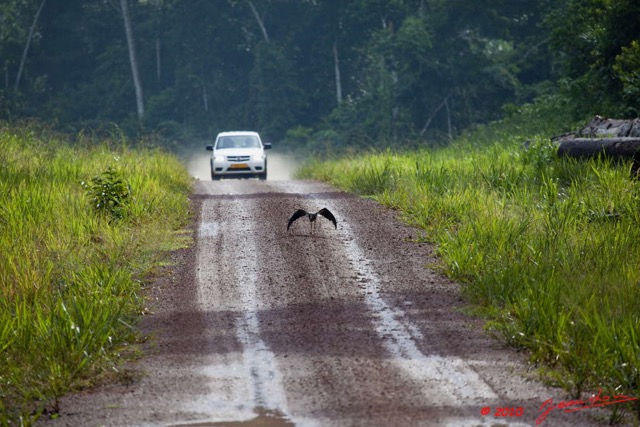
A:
[257,326]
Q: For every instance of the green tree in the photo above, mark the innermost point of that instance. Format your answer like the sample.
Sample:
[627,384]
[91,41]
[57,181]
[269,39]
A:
[362,71]
[19,30]
[591,37]
[627,70]
[437,66]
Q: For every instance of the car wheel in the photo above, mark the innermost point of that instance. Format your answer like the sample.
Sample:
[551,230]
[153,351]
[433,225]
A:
[215,177]
[263,176]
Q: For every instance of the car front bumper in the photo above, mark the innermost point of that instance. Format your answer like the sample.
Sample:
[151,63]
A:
[242,167]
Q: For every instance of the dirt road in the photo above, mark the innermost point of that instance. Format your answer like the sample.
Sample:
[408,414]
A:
[259,326]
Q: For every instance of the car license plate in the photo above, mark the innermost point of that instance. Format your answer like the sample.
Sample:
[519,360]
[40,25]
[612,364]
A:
[239,166]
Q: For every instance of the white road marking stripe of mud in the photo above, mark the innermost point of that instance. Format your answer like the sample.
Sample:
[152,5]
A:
[259,359]
[252,380]
[456,381]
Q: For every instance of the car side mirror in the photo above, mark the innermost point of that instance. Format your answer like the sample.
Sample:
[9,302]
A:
[209,147]
[267,145]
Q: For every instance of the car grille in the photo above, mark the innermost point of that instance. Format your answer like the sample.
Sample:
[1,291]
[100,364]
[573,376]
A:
[238,158]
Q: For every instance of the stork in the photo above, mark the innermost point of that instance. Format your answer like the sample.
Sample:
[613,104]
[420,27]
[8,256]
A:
[313,216]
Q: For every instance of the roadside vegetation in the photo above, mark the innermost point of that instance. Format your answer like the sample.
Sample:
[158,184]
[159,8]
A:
[81,227]
[547,249]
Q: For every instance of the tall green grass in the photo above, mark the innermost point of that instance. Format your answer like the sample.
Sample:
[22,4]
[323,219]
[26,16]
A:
[70,276]
[547,248]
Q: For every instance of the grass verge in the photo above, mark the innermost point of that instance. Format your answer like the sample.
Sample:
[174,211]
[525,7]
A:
[80,227]
[547,249]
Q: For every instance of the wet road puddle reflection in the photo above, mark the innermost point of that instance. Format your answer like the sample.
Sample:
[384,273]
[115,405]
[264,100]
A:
[264,418]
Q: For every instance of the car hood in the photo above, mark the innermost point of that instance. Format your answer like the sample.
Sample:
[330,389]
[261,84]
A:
[238,151]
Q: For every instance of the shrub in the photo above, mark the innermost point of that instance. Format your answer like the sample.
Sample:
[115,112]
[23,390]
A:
[109,193]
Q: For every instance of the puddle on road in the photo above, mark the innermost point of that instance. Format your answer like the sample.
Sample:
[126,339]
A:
[264,418]
[208,229]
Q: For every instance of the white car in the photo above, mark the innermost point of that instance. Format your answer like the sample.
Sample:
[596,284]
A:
[238,155]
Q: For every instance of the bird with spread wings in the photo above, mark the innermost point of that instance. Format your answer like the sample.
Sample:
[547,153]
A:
[313,216]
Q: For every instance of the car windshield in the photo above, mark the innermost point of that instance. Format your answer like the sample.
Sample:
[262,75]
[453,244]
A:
[238,141]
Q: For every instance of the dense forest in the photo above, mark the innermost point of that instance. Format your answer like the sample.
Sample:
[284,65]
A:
[352,72]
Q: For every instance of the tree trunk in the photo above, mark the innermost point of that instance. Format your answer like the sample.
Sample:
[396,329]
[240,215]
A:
[336,66]
[133,59]
[621,147]
[205,98]
[26,47]
[158,62]
[260,22]
[449,130]
[433,114]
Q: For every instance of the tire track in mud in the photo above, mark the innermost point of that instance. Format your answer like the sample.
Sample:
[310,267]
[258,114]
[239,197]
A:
[346,327]
[342,352]
[227,242]
[451,376]
[444,384]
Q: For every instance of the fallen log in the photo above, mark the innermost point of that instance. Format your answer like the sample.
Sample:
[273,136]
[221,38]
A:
[619,147]
[601,127]
[616,139]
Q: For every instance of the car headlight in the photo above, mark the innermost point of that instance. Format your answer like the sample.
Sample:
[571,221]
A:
[218,159]
[258,157]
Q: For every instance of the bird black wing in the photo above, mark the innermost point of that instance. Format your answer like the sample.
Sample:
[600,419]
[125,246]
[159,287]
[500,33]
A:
[327,214]
[297,214]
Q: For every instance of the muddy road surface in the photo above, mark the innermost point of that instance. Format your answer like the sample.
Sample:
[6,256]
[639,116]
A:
[257,326]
